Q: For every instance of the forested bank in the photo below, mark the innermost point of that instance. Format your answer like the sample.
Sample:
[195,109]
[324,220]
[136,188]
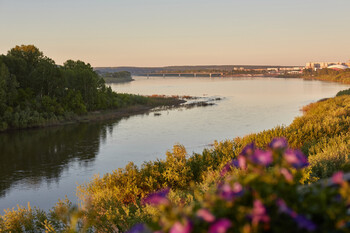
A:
[35,91]
[331,75]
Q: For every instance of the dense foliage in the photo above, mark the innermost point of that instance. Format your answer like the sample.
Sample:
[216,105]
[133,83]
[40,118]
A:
[35,91]
[344,92]
[342,76]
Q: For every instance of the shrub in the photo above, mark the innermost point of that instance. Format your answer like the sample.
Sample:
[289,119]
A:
[267,198]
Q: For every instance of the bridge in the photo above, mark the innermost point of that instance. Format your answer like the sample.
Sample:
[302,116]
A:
[188,74]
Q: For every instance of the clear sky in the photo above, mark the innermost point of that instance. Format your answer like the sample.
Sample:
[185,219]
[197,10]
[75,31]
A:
[180,32]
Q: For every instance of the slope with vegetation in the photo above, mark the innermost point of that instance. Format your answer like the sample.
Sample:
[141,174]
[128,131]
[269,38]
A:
[331,75]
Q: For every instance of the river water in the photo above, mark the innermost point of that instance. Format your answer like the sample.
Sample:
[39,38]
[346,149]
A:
[42,165]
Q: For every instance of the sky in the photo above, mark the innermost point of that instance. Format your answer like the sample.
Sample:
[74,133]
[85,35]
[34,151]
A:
[179,32]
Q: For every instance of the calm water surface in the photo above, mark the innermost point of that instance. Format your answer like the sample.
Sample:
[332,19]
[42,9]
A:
[40,166]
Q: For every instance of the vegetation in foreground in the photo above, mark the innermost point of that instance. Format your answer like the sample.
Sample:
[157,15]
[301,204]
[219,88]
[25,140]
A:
[114,203]
[34,91]
[258,191]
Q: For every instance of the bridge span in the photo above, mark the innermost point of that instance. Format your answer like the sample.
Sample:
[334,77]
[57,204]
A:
[187,74]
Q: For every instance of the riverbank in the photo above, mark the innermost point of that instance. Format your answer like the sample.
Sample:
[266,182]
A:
[93,116]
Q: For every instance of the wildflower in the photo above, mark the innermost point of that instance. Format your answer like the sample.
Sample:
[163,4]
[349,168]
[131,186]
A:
[237,189]
[296,158]
[240,162]
[283,208]
[248,149]
[227,168]
[220,226]
[228,192]
[157,198]
[287,175]
[206,215]
[138,228]
[304,223]
[259,213]
[337,178]
[181,228]
[225,192]
[278,143]
[261,157]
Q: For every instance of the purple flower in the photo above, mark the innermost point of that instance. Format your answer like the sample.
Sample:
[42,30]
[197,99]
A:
[228,192]
[225,192]
[239,162]
[227,168]
[278,143]
[181,228]
[261,157]
[283,208]
[138,228]
[259,213]
[296,158]
[157,198]
[206,215]
[337,178]
[248,149]
[305,223]
[220,226]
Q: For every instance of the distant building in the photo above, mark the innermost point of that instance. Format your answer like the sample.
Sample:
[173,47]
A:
[322,65]
[338,67]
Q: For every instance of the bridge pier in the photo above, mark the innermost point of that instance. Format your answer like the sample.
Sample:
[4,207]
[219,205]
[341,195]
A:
[210,75]
[195,75]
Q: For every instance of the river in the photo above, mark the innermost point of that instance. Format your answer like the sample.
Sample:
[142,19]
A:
[42,165]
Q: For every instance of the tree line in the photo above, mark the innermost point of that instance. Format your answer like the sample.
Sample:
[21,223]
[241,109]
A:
[34,90]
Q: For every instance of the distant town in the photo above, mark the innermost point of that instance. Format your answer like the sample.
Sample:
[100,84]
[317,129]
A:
[224,70]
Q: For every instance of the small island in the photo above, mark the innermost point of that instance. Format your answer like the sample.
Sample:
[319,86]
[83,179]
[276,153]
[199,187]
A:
[116,77]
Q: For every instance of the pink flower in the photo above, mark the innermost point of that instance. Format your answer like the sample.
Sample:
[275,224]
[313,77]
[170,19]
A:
[278,143]
[259,213]
[242,162]
[181,228]
[220,226]
[287,175]
[228,192]
[206,215]
[261,157]
[296,158]
[337,178]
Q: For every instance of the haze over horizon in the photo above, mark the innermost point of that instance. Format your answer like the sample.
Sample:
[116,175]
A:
[161,33]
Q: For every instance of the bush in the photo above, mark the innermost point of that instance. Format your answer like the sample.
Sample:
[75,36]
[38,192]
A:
[267,198]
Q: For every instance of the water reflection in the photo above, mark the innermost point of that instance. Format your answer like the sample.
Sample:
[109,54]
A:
[40,155]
